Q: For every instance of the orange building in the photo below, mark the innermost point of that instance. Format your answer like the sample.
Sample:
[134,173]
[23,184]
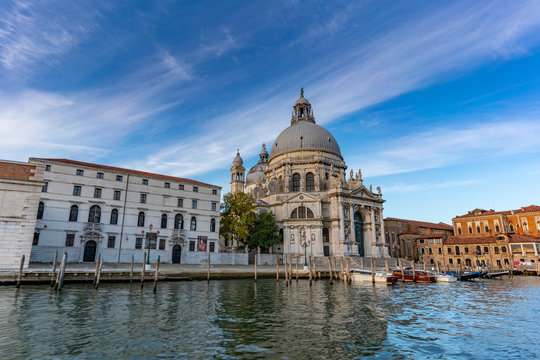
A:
[500,239]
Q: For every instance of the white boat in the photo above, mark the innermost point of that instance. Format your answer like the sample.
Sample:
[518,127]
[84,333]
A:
[446,278]
[365,276]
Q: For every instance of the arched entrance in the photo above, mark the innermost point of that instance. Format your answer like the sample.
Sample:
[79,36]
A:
[176,254]
[90,251]
[359,232]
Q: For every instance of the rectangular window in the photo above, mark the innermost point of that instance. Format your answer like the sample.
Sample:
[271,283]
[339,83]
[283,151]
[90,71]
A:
[97,193]
[77,190]
[195,189]
[497,228]
[496,249]
[145,181]
[212,247]
[459,230]
[180,203]
[478,229]
[449,250]
[79,172]
[214,192]
[486,228]
[161,244]
[119,178]
[47,167]
[486,249]
[116,195]
[180,187]
[167,185]
[143,198]
[214,206]
[466,250]
[430,250]
[45,187]
[440,250]
[470,230]
[99,175]
[193,204]
[138,243]
[192,245]
[70,239]
[111,241]
[36,238]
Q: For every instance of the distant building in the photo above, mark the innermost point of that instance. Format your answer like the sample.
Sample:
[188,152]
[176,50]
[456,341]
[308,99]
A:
[489,238]
[404,236]
[86,209]
[304,182]
[20,187]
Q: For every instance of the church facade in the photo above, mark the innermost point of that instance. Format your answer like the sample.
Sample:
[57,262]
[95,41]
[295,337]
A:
[303,181]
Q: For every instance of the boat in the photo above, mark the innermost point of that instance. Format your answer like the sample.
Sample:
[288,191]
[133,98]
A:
[446,278]
[418,276]
[365,276]
[493,275]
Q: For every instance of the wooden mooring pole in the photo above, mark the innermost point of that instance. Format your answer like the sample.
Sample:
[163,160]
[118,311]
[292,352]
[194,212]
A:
[20,272]
[296,268]
[330,270]
[290,269]
[131,269]
[208,270]
[413,271]
[386,268]
[373,270]
[143,268]
[341,273]
[277,268]
[156,275]
[255,272]
[96,270]
[285,268]
[62,271]
[54,267]
[98,277]
[315,269]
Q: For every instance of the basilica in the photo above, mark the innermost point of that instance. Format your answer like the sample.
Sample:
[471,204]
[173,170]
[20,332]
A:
[303,181]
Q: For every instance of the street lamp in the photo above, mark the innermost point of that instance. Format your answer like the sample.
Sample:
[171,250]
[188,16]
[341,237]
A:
[149,237]
[304,243]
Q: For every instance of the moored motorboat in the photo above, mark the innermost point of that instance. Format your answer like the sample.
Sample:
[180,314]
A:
[446,278]
[366,276]
[418,275]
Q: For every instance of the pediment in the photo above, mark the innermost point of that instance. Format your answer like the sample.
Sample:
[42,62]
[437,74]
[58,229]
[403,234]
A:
[363,192]
[303,197]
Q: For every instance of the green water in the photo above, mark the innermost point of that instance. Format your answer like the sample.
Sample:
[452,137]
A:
[231,319]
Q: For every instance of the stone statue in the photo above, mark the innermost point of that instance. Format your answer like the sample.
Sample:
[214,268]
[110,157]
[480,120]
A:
[379,190]
[352,174]
[331,169]
[370,188]
[359,175]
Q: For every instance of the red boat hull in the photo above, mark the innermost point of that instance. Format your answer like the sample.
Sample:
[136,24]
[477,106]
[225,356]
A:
[419,276]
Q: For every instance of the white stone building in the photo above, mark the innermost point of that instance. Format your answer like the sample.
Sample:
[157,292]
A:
[303,182]
[86,209]
[20,187]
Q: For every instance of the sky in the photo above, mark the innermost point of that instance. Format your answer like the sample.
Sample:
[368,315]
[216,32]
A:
[436,102]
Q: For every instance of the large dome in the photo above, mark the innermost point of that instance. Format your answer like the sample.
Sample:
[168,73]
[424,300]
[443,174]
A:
[304,135]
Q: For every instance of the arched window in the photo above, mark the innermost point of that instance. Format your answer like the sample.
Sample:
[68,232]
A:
[302,212]
[73,213]
[193,225]
[296,182]
[140,219]
[178,221]
[114,216]
[310,182]
[478,250]
[512,227]
[40,210]
[94,216]
[164,221]
[213,225]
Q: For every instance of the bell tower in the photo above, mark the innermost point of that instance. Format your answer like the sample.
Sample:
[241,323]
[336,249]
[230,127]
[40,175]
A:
[237,174]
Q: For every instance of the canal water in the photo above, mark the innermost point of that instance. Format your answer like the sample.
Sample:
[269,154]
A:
[232,319]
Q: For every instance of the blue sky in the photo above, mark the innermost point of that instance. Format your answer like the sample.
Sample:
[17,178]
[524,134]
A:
[437,102]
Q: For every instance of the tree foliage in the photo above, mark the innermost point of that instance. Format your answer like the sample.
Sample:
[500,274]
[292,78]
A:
[265,232]
[238,216]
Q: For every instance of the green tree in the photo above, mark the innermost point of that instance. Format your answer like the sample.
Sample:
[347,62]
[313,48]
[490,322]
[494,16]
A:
[237,217]
[265,232]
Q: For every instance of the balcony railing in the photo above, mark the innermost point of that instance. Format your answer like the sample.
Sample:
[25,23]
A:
[88,226]
[179,232]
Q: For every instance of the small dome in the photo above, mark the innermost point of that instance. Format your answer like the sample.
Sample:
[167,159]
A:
[256,173]
[238,159]
[305,135]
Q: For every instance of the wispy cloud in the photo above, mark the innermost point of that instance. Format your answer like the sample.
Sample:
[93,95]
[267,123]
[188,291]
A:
[418,53]
[445,146]
[32,32]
